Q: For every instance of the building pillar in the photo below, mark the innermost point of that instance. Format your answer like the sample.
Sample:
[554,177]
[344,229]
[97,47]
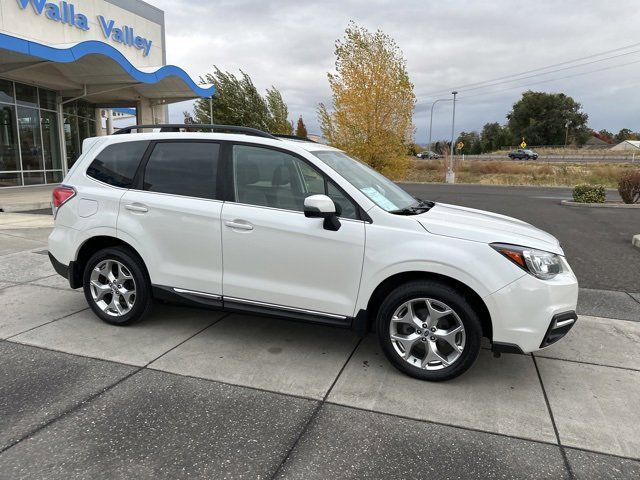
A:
[98,121]
[109,122]
[145,113]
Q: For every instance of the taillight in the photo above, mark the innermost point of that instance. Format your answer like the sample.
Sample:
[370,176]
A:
[61,195]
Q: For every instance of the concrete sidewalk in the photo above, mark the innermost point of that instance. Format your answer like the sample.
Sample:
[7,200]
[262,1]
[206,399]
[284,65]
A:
[206,394]
[23,199]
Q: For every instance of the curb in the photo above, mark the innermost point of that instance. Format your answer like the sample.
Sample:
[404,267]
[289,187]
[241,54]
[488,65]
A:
[570,203]
[24,207]
[635,241]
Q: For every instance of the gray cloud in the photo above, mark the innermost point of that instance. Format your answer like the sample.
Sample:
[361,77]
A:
[446,44]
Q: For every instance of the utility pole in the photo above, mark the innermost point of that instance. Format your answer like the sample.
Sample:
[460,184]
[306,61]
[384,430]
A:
[431,118]
[566,135]
[451,176]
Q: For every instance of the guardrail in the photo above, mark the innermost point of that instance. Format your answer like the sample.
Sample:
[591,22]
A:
[563,158]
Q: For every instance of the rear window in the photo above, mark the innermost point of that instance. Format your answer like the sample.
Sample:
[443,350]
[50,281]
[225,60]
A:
[183,168]
[117,163]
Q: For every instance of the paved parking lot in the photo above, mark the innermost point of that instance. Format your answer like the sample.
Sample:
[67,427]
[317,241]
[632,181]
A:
[193,393]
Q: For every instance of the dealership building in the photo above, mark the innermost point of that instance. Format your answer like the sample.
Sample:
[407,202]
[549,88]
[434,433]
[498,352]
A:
[67,68]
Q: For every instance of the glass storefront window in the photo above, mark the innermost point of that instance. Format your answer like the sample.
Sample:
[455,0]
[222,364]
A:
[6,91]
[26,95]
[47,99]
[10,180]
[54,177]
[30,137]
[76,129]
[30,141]
[33,178]
[9,154]
[50,140]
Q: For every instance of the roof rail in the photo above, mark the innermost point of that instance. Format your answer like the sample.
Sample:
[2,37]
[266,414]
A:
[177,127]
[294,137]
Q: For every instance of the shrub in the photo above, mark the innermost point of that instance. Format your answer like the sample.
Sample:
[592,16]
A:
[629,186]
[589,193]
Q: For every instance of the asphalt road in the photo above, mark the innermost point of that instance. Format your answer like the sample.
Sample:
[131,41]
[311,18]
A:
[597,241]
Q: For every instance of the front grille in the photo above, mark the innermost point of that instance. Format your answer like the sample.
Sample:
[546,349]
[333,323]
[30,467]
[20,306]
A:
[560,325]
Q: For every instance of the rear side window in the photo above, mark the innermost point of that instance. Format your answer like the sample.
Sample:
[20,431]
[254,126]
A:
[183,168]
[117,163]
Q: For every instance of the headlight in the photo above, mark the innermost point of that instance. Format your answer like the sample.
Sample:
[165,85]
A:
[541,264]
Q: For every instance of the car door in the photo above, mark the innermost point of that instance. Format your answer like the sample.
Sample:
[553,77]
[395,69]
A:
[172,216]
[274,256]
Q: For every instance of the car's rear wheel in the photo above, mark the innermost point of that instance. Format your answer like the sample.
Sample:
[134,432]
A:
[428,330]
[117,286]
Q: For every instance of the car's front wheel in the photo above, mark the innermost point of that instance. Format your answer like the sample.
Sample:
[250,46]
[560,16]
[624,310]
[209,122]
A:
[117,286]
[428,330]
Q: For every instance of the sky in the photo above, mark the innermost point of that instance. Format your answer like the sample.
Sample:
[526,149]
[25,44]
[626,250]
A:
[447,44]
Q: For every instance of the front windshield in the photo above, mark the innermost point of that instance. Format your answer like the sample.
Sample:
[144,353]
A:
[378,188]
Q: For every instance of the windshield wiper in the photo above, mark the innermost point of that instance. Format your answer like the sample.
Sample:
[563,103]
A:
[421,206]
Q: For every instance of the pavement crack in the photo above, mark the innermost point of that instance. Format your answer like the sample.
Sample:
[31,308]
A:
[634,298]
[315,412]
[563,452]
[187,339]
[70,410]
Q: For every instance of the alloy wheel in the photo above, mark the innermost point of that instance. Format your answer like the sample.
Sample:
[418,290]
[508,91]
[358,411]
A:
[427,333]
[113,288]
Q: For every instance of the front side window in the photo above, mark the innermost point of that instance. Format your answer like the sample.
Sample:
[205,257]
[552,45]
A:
[117,164]
[271,178]
[378,188]
[183,168]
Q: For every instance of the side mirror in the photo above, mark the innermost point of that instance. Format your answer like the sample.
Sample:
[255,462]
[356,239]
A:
[321,206]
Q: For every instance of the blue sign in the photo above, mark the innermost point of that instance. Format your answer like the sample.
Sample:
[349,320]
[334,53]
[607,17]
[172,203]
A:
[65,13]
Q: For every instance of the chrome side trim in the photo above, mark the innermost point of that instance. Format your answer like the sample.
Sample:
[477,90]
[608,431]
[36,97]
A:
[199,294]
[282,307]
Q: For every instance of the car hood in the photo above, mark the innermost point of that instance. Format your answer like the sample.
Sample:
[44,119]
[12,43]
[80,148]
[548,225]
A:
[487,227]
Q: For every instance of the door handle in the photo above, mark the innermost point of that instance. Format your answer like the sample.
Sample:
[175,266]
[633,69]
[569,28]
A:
[136,207]
[238,225]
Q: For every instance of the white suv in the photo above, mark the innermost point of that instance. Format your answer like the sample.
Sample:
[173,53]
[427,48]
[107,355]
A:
[249,222]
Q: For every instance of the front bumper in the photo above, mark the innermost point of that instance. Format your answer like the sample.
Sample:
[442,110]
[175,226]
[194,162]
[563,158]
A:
[530,314]
[559,327]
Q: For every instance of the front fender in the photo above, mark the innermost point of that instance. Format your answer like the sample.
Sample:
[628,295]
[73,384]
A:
[474,264]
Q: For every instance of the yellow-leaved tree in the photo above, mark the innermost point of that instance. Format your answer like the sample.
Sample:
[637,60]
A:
[372,102]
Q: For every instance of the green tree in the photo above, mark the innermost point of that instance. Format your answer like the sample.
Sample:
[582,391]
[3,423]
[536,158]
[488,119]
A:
[494,136]
[238,102]
[626,134]
[471,141]
[372,101]
[278,121]
[545,118]
[301,128]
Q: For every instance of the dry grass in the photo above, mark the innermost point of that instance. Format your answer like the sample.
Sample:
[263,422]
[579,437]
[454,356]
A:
[507,172]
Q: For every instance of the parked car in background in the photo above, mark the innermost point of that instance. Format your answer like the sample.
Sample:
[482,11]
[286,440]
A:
[428,155]
[522,154]
[143,216]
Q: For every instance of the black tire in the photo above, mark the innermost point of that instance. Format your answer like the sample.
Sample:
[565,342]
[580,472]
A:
[440,292]
[143,300]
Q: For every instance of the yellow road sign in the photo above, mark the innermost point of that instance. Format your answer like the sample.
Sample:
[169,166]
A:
[523,144]
[460,145]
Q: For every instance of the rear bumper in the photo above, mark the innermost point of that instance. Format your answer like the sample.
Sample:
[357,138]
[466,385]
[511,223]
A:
[63,270]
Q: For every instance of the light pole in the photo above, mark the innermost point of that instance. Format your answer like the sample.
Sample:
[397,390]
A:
[431,118]
[451,176]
